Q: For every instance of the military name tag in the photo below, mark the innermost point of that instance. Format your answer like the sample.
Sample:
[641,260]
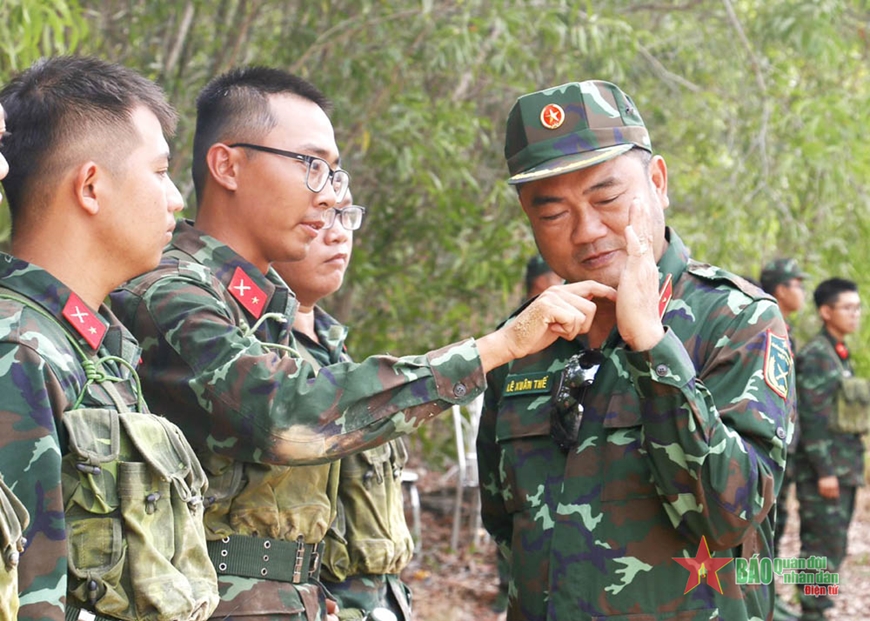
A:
[529,383]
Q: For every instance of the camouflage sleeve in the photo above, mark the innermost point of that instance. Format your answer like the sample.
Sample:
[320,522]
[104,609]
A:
[255,403]
[496,518]
[30,461]
[715,437]
[817,378]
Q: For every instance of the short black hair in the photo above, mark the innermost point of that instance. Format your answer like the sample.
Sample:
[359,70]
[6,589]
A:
[828,291]
[235,106]
[61,104]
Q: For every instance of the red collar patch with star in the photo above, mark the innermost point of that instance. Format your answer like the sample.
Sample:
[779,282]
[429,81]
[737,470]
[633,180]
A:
[85,321]
[247,293]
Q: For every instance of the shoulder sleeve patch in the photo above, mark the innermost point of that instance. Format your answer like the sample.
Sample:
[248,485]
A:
[777,363]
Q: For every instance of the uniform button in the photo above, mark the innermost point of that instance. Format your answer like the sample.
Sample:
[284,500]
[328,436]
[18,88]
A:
[662,370]
[780,433]
[460,390]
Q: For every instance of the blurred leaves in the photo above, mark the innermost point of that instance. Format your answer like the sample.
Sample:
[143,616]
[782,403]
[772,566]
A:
[758,106]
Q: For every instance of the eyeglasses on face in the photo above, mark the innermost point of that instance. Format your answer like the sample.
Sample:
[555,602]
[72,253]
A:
[569,393]
[852,309]
[350,217]
[318,173]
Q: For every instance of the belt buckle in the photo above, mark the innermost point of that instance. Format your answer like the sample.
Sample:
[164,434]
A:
[314,565]
[86,615]
[300,559]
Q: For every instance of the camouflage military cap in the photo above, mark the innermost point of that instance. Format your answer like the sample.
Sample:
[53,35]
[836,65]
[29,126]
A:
[780,271]
[569,127]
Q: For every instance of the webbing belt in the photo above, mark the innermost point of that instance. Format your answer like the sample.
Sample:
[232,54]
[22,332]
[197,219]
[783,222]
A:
[267,559]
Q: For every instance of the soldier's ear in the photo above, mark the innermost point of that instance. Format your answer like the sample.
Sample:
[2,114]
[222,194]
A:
[223,165]
[88,185]
[826,312]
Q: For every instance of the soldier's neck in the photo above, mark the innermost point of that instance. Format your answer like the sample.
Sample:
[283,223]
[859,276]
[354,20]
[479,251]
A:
[603,324]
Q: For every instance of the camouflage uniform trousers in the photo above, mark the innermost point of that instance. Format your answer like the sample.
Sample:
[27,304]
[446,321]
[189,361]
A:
[782,503]
[242,600]
[359,594]
[824,531]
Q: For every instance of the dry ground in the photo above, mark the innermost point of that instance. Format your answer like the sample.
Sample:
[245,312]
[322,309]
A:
[460,586]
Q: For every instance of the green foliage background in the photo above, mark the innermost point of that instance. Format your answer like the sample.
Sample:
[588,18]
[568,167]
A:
[759,107]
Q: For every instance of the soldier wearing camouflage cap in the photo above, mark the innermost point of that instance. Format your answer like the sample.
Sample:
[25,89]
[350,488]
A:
[219,355]
[784,280]
[610,465]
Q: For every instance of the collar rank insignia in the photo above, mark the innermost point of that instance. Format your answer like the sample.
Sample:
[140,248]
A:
[552,116]
[247,293]
[85,321]
[777,363]
[665,295]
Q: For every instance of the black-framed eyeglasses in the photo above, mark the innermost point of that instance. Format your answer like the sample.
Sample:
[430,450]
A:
[568,394]
[318,173]
[350,217]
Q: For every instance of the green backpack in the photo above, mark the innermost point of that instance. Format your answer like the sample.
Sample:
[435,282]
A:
[133,491]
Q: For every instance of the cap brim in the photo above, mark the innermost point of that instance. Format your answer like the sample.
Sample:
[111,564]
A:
[569,163]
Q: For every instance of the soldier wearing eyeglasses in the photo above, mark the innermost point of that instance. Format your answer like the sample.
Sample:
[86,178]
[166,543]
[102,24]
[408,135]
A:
[219,357]
[661,431]
[832,405]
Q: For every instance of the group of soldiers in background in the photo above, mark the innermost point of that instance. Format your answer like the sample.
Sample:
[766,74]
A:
[630,414]
[826,453]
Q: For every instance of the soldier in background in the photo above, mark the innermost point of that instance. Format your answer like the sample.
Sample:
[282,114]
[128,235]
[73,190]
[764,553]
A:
[13,515]
[829,462]
[660,430]
[539,276]
[215,321]
[114,493]
[783,279]
[369,543]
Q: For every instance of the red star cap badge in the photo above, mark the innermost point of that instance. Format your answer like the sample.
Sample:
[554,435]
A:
[247,293]
[85,321]
[552,116]
[703,566]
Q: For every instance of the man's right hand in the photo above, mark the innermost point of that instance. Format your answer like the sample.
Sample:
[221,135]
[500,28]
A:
[562,311]
[829,487]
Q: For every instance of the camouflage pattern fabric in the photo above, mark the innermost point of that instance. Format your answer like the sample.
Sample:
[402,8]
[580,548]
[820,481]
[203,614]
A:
[41,377]
[219,359]
[369,543]
[822,452]
[13,521]
[683,441]
[788,476]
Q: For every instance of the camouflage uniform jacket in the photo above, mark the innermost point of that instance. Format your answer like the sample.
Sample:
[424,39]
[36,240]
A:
[369,543]
[684,441]
[218,359]
[821,451]
[41,378]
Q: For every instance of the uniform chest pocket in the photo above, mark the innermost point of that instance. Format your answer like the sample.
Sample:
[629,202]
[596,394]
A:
[627,473]
[530,458]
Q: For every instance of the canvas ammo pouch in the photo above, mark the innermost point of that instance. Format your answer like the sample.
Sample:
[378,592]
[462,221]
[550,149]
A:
[13,521]
[852,413]
[374,539]
[133,492]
